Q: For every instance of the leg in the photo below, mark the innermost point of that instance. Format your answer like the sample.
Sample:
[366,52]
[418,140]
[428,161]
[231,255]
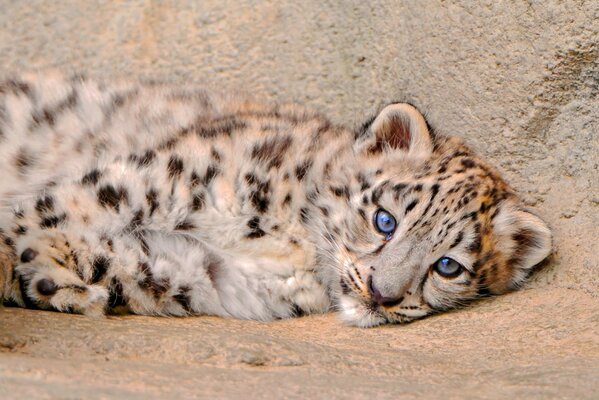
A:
[155,274]
[109,240]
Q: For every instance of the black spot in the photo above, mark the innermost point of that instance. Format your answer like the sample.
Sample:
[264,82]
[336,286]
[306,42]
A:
[52,221]
[116,298]
[255,230]
[198,201]
[212,267]
[16,87]
[185,226]
[20,230]
[364,184]
[304,215]
[175,167]
[259,197]
[272,151]
[44,204]
[312,196]
[411,206]
[457,240]
[287,199]
[23,160]
[160,286]
[302,169]
[142,243]
[297,311]
[219,126]
[399,187]
[215,155]
[481,261]
[483,291]
[23,285]
[147,276]
[194,179]
[340,191]
[133,158]
[468,163]
[476,244]
[135,222]
[9,242]
[483,288]
[250,179]
[183,298]
[152,200]
[146,159]
[100,266]
[211,172]
[344,288]
[376,195]
[108,196]
[434,192]
[44,116]
[362,214]
[91,178]
[169,144]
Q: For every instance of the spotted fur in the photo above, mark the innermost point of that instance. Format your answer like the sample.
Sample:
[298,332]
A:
[159,200]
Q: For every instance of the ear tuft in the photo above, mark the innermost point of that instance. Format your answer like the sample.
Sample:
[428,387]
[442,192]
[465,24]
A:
[399,127]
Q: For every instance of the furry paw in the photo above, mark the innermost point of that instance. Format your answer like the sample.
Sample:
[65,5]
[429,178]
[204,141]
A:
[47,277]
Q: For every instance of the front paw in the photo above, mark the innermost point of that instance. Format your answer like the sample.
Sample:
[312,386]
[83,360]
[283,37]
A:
[307,294]
[48,247]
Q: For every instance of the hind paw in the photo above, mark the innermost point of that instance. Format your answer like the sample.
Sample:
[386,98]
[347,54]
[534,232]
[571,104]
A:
[48,280]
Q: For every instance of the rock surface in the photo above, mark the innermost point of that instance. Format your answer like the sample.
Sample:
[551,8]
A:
[519,80]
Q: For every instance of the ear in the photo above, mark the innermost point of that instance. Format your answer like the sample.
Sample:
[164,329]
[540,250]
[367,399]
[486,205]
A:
[398,127]
[523,239]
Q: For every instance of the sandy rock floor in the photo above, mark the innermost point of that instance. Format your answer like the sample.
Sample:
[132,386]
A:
[535,343]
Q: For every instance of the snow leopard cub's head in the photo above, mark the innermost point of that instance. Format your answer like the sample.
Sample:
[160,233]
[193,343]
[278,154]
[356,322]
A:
[431,226]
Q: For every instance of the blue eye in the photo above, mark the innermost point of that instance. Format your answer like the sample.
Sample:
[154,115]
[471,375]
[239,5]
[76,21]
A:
[384,222]
[448,267]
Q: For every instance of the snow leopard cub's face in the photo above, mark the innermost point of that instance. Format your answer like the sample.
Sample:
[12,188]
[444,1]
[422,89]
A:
[433,226]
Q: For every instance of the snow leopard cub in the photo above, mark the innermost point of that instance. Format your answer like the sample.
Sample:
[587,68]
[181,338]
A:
[159,200]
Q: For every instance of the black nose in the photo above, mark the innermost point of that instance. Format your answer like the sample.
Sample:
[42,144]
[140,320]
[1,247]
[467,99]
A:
[379,298]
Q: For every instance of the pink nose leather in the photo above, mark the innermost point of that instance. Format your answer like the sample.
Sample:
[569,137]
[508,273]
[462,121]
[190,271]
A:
[381,300]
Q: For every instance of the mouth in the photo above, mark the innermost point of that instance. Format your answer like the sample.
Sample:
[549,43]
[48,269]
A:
[360,306]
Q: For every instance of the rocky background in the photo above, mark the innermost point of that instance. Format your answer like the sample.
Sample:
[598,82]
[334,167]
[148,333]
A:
[519,80]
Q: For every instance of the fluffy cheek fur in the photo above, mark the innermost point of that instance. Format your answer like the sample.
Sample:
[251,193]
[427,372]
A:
[441,294]
[354,312]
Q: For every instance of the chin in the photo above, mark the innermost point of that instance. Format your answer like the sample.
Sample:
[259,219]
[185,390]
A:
[354,312]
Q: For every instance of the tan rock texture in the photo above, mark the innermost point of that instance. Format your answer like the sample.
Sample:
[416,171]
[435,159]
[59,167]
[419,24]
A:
[519,80]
